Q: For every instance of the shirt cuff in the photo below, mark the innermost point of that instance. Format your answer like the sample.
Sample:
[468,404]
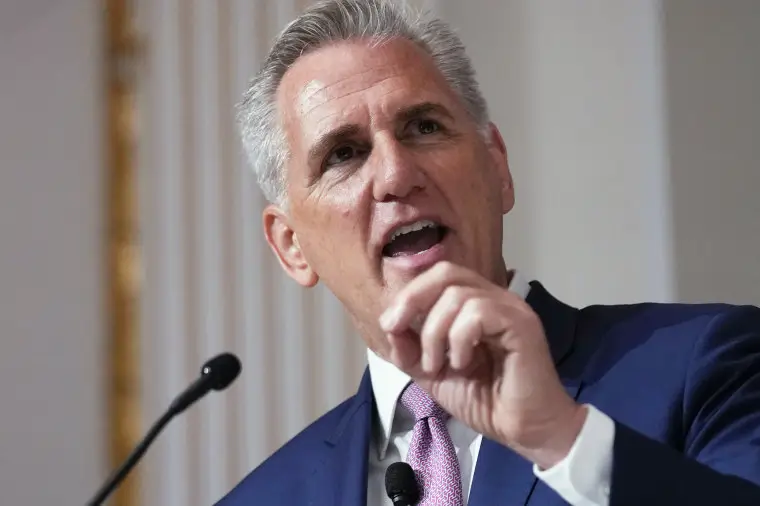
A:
[583,477]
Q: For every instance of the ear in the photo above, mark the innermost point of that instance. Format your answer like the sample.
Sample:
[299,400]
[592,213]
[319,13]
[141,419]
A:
[498,152]
[284,243]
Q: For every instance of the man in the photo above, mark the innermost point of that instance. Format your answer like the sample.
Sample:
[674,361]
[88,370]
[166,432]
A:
[389,183]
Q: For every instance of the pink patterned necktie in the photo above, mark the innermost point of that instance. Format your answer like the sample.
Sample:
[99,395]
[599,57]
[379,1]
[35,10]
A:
[431,451]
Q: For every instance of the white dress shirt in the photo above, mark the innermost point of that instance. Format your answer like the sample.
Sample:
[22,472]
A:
[582,478]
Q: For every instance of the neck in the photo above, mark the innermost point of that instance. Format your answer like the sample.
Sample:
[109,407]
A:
[503,276]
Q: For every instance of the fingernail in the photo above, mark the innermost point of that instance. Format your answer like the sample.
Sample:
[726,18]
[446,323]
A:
[388,319]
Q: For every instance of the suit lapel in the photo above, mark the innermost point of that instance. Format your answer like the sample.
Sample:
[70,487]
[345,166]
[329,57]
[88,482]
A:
[558,319]
[342,473]
[502,477]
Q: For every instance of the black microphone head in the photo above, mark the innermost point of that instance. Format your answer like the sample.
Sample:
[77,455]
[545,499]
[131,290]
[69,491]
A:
[221,370]
[401,484]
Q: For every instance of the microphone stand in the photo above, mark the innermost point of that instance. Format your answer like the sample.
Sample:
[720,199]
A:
[118,475]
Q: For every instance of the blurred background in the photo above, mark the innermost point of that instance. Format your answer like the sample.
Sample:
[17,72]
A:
[130,239]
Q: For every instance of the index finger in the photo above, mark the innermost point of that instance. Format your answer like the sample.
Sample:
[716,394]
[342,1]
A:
[418,297]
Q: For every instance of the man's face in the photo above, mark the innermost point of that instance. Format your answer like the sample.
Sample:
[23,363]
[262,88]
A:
[387,175]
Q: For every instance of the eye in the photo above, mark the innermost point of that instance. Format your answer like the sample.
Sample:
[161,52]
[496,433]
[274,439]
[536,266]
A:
[341,154]
[425,126]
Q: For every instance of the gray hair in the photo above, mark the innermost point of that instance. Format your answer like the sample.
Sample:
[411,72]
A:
[338,20]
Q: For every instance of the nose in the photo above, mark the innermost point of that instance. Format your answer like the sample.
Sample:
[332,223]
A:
[396,172]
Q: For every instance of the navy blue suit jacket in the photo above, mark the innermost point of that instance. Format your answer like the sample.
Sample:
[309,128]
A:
[681,382]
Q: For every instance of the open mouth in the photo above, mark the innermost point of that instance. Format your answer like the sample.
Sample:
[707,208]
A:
[414,238]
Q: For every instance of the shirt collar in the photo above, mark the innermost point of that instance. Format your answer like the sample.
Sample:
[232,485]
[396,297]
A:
[388,381]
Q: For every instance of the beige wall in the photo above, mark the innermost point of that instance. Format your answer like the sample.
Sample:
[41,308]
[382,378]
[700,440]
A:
[576,88]
[713,95]
[51,327]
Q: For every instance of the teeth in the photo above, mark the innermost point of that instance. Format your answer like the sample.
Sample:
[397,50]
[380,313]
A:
[418,225]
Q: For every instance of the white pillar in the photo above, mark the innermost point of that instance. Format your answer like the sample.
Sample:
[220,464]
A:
[211,283]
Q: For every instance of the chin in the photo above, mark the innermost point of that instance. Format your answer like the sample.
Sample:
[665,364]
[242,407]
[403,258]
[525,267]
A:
[398,280]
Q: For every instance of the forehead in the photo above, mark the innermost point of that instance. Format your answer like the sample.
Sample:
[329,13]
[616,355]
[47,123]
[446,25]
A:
[333,83]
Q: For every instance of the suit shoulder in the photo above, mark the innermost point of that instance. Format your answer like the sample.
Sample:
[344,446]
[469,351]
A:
[655,348]
[653,316]
[611,331]
[682,332]
[291,463]
[663,308]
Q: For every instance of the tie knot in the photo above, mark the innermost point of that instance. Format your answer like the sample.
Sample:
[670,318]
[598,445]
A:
[421,405]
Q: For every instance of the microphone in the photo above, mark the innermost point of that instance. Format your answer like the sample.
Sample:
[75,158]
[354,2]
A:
[216,374]
[401,484]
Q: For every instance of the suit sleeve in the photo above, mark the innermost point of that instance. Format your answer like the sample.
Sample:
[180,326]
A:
[720,460]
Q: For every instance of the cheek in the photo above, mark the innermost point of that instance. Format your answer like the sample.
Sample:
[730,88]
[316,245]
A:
[324,245]
[474,188]
[350,201]
[468,176]
[345,209]
[337,223]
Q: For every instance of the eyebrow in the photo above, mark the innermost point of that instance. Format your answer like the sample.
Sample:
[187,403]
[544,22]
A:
[332,137]
[417,110]
[344,132]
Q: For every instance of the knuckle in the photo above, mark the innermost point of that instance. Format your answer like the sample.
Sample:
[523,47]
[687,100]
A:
[445,268]
[475,310]
[454,294]
[473,316]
